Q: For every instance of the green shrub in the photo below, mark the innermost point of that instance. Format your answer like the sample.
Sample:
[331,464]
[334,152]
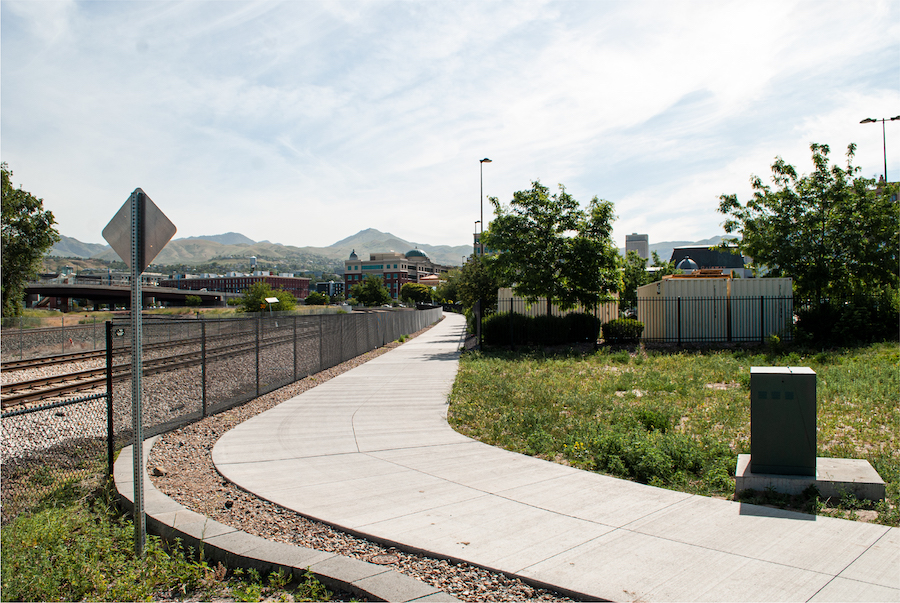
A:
[505,328]
[622,330]
[547,330]
[509,328]
[582,327]
[851,322]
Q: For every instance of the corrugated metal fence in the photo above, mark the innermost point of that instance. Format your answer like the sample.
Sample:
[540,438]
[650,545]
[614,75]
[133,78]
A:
[715,319]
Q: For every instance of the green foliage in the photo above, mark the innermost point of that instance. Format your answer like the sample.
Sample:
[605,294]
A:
[316,299]
[854,321]
[835,234]
[477,282]
[508,328]
[71,553]
[192,300]
[538,255]
[76,546]
[371,292]
[622,330]
[415,293]
[634,274]
[27,233]
[666,268]
[254,299]
[448,291]
[582,327]
[652,416]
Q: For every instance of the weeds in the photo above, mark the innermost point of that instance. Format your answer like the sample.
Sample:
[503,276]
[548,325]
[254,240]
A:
[677,419]
[77,546]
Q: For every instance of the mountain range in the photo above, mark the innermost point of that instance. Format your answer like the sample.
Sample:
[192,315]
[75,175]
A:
[203,249]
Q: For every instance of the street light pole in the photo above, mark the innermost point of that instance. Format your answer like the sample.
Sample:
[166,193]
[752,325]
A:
[481,202]
[869,120]
[477,237]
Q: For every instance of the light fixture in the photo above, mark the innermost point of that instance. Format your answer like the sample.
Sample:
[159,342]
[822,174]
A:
[871,120]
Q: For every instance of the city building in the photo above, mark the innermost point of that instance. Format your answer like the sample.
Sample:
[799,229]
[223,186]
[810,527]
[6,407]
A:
[238,283]
[638,242]
[330,288]
[395,269]
[706,258]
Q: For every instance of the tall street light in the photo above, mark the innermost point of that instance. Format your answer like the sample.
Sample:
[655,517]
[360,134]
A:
[869,120]
[478,238]
[481,201]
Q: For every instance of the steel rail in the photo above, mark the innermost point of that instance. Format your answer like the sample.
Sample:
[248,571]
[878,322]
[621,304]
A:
[14,394]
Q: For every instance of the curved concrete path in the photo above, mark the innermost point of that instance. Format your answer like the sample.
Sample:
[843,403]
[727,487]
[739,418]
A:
[371,452]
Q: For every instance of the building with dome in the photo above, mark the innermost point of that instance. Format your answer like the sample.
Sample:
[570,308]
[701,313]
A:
[395,269]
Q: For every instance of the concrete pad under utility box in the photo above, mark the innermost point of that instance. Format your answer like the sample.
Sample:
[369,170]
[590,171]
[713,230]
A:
[833,477]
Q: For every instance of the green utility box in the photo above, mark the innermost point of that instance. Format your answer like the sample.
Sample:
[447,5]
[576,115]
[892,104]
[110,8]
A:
[783,420]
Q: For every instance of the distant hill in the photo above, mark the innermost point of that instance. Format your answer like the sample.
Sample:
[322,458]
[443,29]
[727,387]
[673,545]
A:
[203,249]
[200,251]
[68,247]
[371,240]
[229,238]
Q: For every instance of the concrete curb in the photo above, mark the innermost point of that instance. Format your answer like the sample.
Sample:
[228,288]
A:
[234,548]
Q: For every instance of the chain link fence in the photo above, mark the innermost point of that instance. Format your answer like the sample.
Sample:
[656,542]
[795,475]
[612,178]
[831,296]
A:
[47,448]
[22,337]
[208,366]
[192,368]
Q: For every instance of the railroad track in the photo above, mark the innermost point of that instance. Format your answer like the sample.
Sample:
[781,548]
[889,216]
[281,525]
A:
[18,365]
[31,363]
[22,392]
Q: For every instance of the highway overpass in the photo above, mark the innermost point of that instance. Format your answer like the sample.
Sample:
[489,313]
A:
[116,295]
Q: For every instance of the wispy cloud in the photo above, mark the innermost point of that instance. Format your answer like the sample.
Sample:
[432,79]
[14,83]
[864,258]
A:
[303,122]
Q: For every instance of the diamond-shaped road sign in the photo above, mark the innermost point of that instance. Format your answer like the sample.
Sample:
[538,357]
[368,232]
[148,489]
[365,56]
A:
[153,232]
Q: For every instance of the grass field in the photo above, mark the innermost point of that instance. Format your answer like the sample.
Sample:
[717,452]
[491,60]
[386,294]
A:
[678,419]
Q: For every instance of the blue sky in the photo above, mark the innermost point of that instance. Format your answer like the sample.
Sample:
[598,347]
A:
[304,122]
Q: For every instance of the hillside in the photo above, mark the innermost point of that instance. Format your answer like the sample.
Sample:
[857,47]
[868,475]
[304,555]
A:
[235,246]
[199,250]
[374,241]
[68,247]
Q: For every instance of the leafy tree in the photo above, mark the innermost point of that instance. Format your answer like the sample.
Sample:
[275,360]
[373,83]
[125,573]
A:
[634,274]
[254,298]
[448,290]
[371,292]
[27,233]
[192,300]
[665,268]
[834,233]
[476,281]
[547,246]
[316,299]
[415,293]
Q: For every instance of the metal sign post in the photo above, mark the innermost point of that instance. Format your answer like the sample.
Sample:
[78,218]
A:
[138,232]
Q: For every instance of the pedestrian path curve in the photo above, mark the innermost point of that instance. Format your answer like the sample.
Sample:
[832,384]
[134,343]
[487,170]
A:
[371,452]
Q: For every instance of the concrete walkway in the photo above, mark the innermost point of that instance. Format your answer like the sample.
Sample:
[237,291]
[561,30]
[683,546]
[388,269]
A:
[371,452]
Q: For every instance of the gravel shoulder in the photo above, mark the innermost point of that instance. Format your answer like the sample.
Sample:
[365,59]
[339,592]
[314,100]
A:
[181,467]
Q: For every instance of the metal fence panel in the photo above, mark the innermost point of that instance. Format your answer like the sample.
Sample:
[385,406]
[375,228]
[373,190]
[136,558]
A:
[48,446]
[213,365]
[276,354]
[715,319]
